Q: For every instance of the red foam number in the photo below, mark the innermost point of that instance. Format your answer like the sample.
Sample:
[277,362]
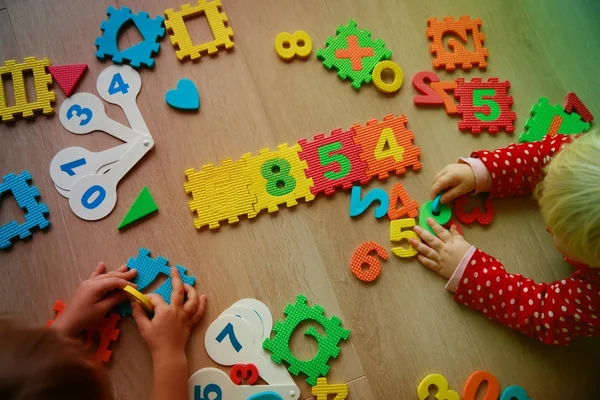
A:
[573,102]
[456,224]
[474,382]
[361,256]
[468,217]
[247,371]
[428,97]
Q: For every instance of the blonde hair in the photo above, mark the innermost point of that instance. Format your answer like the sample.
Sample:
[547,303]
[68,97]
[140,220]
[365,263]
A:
[569,198]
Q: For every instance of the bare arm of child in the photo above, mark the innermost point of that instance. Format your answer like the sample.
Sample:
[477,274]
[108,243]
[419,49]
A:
[551,312]
[93,299]
[167,335]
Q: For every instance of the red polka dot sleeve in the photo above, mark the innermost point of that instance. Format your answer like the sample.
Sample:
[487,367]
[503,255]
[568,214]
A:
[517,169]
[551,312]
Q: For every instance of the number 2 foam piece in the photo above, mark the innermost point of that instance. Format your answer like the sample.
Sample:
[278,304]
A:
[143,205]
[68,76]
[184,97]
[484,105]
[551,120]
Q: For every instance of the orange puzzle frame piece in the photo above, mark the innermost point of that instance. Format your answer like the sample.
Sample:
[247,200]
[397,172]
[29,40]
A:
[461,55]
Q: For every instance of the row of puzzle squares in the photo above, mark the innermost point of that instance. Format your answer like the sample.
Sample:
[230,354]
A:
[324,165]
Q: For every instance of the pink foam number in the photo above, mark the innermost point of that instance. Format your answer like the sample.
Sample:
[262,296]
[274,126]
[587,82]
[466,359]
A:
[68,76]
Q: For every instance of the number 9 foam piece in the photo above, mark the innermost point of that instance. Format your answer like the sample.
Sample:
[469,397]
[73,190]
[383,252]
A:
[26,198]
[138,55]
[359,206]
[298,43]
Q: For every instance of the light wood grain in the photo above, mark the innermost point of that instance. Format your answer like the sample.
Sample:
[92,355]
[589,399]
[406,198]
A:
[405,325]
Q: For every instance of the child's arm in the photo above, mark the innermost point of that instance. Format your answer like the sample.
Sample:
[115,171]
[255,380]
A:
[167,335]
[552,312]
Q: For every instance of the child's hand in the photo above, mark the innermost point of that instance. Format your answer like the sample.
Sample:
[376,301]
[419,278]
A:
[93,299]
[456,179]
[445,252]
[168,332]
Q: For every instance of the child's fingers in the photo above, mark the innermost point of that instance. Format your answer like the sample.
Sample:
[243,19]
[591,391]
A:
[140,316]
[443,182]
[123,268]
[112,300]
[429,263]
[200,311]
[454,231]
[424,249]
[99,270]
[431,240]
[178,291]
[127,275]
[192,302]
[103,286]
[156,300]
[453,193]
[441,232]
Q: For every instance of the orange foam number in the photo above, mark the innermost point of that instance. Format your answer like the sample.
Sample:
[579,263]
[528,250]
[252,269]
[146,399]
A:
[409,206]
[460,56]
[474,382]
[361,256]
[441,89]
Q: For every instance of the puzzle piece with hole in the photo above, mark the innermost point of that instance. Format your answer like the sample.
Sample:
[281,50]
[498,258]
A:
[460,55]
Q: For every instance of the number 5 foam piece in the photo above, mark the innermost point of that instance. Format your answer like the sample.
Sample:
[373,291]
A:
[68,76]
[184,97]
[545,116]
[143,205]
[359,206]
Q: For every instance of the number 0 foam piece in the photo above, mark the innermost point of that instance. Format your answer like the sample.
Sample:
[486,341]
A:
[573,102]
[143,205]
[323,389]
[543,117]
[68,76]
[514,392]
[26,198]
[328,344]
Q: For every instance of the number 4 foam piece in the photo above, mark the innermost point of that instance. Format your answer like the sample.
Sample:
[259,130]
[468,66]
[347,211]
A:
[68,76]
[547,119]
[143,205]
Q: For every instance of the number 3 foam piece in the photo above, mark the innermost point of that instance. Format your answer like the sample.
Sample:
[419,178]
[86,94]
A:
[484,105]
[359,206]
[68,76]
[212,383]
[551,120]
[361,257]
[26,198]
[475,214]
[333,162]
[184,97]
[244,371]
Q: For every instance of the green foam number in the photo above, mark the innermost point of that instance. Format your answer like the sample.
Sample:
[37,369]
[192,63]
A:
[479,101]
[325,158]
[442,218]
[277,174]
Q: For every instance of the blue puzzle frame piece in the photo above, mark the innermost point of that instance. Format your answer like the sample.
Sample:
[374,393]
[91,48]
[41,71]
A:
[26,198]
[152,30]
[148,271]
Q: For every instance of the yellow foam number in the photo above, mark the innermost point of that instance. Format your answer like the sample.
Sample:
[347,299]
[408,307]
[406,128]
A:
[387,146]
[180,36]
[322,389]
[264,182]
[220,193]
[397,235]
[288,45]
[380,83]
[440,383]
[41,81]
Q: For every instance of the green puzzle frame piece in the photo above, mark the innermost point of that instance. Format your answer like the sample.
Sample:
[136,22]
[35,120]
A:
[540,123]
[344,65]
[143,205]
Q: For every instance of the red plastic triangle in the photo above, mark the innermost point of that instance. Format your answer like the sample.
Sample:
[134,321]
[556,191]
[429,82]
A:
[68,76]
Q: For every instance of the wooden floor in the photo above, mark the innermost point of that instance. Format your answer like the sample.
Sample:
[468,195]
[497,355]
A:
[405,325]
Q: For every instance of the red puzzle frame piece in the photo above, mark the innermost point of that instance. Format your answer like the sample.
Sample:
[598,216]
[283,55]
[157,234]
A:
[573,102]
[467,109]
[316,171]
[409,207]
[244,370]
[466,217]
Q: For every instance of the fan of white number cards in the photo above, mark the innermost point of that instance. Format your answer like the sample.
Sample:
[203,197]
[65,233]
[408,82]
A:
[236,337]
[89,180]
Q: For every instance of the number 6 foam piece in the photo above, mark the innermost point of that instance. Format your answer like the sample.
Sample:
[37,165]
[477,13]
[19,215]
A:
[90,179]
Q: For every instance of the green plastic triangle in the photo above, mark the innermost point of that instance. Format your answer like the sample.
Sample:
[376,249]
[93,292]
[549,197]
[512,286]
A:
[142,206]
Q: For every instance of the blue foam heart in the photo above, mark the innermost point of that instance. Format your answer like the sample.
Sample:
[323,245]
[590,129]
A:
[185,96]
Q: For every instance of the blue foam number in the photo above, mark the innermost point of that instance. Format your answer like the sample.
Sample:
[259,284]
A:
[436,205]
[514,392]
[228,331]
[76,111]
[358,205]
[70,166]
[117,85]
[85,199]
[212,388]
[265,396]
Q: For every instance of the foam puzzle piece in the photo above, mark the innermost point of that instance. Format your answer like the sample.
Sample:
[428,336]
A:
[244,371]
[441,383]
[148,270]
[184,97]
[544,116]
[409,206]
[142,206]
[387,146]
[298,44]
[460,56]
[484,105]
[361,257]
[220,193]
[41,80]
[353,53]
[397,235]
[422,83]
[442,89]
[397,73]
[180,37]
[277,177]
[452,222]
[138,55]
[26,198]
[473,383]
[68,76]
[328,344]
[359,206]
[333,161]
[572,102]
[475,214]
[442,218]
[58,308]
[514,392]
[323,389]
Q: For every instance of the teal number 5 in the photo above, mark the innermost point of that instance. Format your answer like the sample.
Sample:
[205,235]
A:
[479,101]
[325,158]
[212,388]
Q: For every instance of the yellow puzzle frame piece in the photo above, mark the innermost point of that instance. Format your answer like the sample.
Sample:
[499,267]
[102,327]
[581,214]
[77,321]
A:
[322,389]
[45,97]
[175,24]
